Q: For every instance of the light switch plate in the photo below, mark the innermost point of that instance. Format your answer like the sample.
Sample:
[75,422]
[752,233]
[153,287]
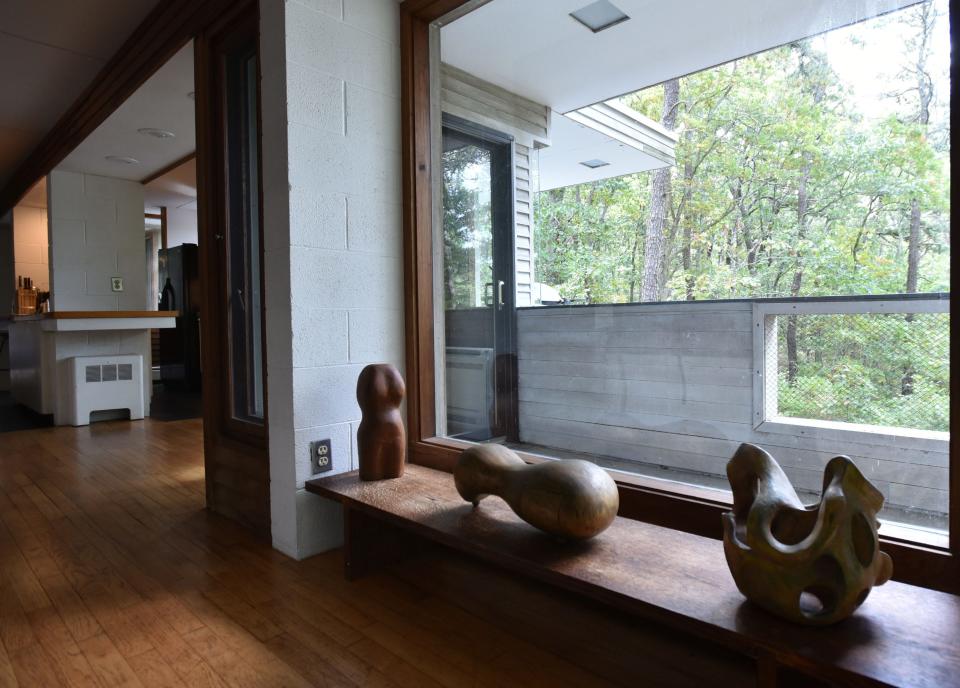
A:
[116,284]
[321,456]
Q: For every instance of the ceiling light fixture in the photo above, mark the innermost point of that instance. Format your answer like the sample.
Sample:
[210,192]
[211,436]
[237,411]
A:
[157,133]
[124,159]
[594,164]
[600,15]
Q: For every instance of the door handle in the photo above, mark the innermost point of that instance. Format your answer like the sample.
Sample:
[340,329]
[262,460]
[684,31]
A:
[500,293]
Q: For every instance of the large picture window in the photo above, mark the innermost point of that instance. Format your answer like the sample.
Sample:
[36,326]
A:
[741,236]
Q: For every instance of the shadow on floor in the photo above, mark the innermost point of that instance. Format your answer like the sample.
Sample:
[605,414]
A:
[171,402]
[14,416]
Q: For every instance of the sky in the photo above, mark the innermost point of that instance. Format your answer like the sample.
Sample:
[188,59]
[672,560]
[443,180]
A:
[869,55]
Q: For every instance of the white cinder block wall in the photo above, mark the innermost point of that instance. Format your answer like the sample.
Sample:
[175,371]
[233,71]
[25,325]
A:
[96,232]
[333,249]
[30,245]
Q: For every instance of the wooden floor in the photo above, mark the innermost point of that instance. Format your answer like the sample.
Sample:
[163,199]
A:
[113,574]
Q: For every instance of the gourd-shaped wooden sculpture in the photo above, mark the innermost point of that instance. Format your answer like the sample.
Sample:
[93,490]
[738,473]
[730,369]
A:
[381,438]
[812,565]
[569,499]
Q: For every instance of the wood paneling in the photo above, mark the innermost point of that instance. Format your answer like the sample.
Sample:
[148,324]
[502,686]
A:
[902,636]
[113,573]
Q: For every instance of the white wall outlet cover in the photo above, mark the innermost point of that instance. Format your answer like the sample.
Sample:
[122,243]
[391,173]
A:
[116,284]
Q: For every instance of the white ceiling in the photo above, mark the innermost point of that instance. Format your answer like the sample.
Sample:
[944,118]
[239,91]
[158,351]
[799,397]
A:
[176,189]
[50,51]
[545,55]
[162,102]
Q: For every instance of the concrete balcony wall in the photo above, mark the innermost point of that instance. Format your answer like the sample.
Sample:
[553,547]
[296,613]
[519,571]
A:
[667,389]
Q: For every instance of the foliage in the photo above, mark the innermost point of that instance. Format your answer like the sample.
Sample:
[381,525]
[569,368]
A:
[782,187]
[750,132]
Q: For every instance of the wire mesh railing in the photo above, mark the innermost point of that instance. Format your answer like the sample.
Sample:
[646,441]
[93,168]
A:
[883,369]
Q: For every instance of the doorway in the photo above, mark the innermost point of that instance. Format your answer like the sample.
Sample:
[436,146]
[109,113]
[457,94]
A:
[479,293]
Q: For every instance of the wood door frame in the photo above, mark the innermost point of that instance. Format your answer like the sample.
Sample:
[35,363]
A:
[686,508]
[240,487]
[212,164]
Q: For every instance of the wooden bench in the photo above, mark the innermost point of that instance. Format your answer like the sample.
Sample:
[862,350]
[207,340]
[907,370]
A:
[902,636]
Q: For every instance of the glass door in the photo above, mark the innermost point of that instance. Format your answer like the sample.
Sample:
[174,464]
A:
[242,276]
[478,282]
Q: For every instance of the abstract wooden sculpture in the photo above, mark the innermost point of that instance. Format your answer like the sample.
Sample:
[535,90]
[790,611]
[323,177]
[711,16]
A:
[813,565]
[381,438]
[569,499]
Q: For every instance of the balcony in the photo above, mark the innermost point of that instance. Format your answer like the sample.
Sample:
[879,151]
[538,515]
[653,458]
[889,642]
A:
[670,390]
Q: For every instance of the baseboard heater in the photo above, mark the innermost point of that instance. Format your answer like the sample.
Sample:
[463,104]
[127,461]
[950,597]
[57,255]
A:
[102,383]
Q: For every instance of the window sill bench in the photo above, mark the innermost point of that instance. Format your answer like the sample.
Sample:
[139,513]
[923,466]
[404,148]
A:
[902,636]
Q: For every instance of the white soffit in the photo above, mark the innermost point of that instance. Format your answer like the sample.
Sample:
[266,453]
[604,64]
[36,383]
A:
[545,55]
[573,143]
[162,102]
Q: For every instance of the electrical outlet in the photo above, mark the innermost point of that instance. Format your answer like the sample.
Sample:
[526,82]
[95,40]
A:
[321,456]
[116,284]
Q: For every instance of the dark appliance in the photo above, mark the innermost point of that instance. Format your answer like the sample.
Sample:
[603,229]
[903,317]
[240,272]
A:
[179,281]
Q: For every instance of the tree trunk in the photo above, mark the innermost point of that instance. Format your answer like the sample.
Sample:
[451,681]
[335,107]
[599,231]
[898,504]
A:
[660,188]
[925,97]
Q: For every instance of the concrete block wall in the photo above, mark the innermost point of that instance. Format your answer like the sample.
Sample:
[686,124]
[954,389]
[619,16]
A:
[333,238]
[96,232]
[30,248]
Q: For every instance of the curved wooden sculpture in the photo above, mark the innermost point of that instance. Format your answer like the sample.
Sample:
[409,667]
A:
[569,499]
[381,437]
[812,565]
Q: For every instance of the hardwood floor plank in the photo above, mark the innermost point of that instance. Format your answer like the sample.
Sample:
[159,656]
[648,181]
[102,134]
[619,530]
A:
[60,646]
[153,671]
[105,659]
[8,678]
[112,573]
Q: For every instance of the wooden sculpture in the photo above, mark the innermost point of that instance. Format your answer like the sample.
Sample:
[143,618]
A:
[569,499]
[813,565]
[381,438]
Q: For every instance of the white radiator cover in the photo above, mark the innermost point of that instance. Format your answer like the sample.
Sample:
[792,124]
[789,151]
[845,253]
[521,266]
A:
[101,383]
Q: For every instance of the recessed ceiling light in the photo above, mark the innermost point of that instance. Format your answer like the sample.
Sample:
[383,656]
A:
[126,160]
[594,164]
[599,15]
[157,133]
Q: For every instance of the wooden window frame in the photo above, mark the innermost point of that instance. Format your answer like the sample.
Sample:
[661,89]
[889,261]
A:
[663,503]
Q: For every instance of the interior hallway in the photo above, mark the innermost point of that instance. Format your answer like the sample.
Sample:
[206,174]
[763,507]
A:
[112,573]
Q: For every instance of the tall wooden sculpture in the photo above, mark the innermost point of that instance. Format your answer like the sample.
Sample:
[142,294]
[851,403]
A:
[381,437]
[813,565]
[570,499]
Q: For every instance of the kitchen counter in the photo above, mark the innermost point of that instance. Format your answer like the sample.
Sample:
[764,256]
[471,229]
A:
[41,344]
